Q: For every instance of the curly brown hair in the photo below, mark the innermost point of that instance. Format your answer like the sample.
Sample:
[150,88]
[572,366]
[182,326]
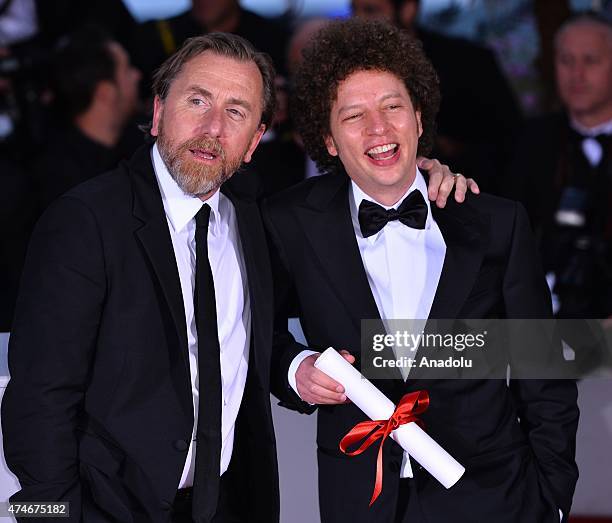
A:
[344,47]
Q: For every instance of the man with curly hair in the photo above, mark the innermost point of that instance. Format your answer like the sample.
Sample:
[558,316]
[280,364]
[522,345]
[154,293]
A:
[363,242]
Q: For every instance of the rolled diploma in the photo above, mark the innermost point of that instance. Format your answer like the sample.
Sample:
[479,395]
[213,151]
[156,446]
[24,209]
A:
[414,440]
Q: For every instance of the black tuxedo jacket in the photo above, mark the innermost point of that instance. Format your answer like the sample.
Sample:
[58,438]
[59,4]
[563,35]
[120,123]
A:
[515,470]
[99,408]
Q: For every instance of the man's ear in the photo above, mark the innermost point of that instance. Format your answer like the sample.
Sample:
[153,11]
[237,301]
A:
[331,145]
[419,125]
[254,143]
[158,109]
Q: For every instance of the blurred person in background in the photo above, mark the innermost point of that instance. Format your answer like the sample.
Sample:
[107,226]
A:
[95,91]
[29,32]
[562,172]
[155,40]
[281,160]
[478,113]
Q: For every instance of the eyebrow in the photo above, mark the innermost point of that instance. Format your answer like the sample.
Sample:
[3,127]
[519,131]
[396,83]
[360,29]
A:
[355,106]
[232,101]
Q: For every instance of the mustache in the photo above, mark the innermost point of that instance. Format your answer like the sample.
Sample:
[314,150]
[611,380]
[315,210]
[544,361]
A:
[206,143]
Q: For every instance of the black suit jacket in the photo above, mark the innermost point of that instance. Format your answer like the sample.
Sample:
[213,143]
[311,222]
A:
[515,471]
[99,408]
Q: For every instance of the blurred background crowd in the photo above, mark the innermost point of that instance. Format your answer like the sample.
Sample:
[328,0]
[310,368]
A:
[526,108]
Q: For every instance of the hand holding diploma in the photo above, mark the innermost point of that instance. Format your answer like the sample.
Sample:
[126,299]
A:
[314,386]
[399,423]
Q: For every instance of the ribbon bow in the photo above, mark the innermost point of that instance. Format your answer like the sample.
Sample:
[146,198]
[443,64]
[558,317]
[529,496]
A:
[407,410]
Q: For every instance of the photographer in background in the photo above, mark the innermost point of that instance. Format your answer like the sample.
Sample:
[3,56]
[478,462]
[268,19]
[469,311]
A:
[562,172]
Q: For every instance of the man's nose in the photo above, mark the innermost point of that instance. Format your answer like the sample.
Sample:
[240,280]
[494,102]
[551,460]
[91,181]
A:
[212,123]
[578,70]
[376,123]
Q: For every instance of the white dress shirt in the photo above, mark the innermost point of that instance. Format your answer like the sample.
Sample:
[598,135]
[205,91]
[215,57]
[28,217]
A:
[231,294]
[403,266]
[590,146]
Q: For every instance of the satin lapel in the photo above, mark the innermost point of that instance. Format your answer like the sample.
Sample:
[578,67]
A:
[326,222]
[252,238]
[464,234]
[154,237]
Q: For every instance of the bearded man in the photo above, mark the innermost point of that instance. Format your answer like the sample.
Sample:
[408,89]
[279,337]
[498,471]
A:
[140,353]
[109,407]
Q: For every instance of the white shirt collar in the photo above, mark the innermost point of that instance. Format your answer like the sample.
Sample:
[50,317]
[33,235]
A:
[181,208]
[357,195]
[604,128]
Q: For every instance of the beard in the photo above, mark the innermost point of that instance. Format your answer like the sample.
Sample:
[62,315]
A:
[197,178]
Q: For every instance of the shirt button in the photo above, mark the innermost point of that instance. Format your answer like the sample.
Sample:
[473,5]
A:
[180,445]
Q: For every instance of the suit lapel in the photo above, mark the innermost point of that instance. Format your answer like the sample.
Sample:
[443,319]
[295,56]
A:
[259,278]
[464,234]
[154,237]
[326,221]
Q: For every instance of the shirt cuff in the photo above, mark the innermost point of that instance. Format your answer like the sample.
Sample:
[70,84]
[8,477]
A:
[294,367]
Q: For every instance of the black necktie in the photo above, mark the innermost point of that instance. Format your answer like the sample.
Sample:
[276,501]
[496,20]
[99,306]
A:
[208,436]
[412,212]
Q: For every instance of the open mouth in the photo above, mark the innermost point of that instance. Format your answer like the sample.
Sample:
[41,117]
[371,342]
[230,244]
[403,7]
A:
[383,152]
[203,154]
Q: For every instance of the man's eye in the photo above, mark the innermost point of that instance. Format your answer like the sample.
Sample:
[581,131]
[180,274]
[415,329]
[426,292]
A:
[235,113]
[352,117]
[393,106]
[197,101]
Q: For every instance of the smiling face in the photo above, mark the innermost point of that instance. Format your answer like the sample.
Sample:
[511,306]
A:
[375,132]
[209,122]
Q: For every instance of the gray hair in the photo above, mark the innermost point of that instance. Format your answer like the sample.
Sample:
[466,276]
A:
[223,44]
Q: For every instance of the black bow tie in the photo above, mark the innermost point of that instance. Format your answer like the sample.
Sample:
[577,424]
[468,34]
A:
[412,212]
[602,138]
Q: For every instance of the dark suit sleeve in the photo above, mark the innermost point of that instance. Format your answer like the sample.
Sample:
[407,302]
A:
[547,409]
[284,347]
[50,353]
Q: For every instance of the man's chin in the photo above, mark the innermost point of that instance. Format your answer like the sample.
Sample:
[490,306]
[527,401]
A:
[199,190]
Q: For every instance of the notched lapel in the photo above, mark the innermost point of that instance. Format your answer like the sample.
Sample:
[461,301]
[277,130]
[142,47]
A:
[154,236]
[259,277]
[326,222]
[464,233]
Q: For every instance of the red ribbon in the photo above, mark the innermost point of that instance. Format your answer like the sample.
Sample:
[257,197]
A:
[407,410]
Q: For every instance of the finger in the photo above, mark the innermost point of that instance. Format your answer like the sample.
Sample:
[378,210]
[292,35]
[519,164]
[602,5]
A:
[323,380]
[445,189]
[473,186]
[460,188]
[424,163]
[318,394]
[435,180]
[347,356]
[324,394]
